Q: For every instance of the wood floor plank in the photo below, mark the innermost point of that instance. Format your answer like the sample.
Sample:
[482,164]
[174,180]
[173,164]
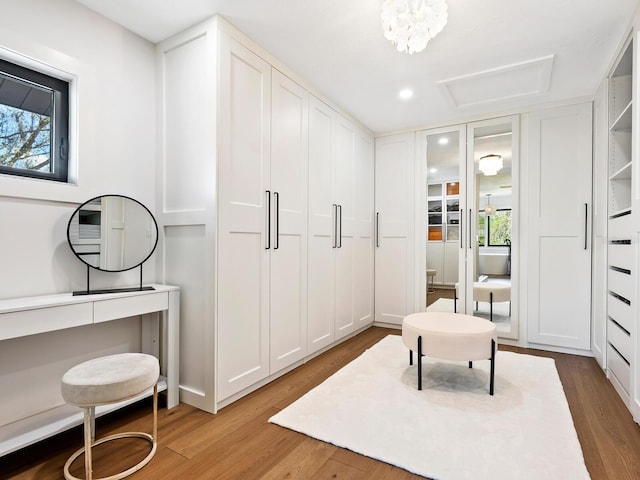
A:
[337,470]
[303,462]
[239,443]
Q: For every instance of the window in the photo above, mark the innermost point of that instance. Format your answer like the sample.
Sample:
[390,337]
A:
[499,228]
[34,123]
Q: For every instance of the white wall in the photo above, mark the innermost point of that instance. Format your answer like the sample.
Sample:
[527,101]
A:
[114,140]
[115,143]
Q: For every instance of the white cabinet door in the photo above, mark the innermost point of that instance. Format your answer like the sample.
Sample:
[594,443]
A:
[559,203]
[243,261]
[394,257]
[363,235]
[344,166]
[322,239]
[289,164]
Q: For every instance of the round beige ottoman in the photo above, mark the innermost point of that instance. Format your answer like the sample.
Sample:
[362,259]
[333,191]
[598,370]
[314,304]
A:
[106,380]
[488,292]
[450,336]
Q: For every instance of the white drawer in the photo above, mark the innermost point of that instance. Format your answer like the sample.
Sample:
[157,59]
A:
[620,339]
[619,368]
[111,309]
[39,320]
[620,283]
[620,256]
[620,227]
[620,312]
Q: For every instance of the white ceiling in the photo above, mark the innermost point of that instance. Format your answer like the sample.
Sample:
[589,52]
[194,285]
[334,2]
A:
[338,47]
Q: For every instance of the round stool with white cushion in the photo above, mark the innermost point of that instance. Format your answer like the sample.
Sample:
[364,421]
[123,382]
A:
[489,292]
[107,380]
[450,336]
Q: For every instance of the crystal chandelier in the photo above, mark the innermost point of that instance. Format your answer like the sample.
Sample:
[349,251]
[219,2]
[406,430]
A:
[410,24]
[490,164]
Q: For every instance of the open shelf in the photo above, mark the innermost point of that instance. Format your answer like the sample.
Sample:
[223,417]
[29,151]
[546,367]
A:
[622,173]
[623,122]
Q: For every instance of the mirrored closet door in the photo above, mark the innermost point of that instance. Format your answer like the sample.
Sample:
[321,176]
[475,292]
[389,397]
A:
[470,221]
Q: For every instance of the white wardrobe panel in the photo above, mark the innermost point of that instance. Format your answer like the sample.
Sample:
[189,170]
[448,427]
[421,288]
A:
[344,317]
[184,250]
[559,269]
[289,166]
[364,253]
[322,221]
[243,261]
[190,123]
[344,169]
[394,230]
[392,281]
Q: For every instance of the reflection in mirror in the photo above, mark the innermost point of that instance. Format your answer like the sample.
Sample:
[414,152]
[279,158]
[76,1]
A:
[112,233]
[443,218]
[492,174]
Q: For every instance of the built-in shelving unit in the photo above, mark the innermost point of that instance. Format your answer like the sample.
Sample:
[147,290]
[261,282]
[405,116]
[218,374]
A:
[443,204]
[621,261]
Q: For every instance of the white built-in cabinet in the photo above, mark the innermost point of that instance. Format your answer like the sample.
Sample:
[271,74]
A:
[558,274]
[340,262]
[262,223]
[274,231]
[622,240]
[395,285]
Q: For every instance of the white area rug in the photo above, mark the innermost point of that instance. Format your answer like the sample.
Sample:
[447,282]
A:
[452,429]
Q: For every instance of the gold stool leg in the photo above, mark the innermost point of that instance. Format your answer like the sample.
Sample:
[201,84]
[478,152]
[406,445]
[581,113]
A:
[88,440]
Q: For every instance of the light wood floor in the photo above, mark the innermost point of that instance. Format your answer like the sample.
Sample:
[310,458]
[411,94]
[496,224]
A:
[238,443]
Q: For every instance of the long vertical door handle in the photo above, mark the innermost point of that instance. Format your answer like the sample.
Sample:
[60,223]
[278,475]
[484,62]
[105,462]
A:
[586,223]
[276,237]
[377,229]
[267,245]
[460,232]
[469,228]
[334,211]
[340,223]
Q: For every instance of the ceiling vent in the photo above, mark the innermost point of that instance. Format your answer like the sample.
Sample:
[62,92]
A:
[518,80]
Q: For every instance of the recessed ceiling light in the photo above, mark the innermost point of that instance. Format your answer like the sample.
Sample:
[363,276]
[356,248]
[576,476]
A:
[405,93]
[443,140]
[433,170]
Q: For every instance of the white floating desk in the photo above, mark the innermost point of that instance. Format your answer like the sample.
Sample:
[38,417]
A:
[21,317]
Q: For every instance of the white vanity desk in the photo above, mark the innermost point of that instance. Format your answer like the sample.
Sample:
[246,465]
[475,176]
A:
[21,317]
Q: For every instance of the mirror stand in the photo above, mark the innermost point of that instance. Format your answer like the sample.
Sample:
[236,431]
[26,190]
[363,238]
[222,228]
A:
[88,291]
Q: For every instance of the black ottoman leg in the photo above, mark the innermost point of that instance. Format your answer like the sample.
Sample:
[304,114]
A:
[493,366]
[420,362]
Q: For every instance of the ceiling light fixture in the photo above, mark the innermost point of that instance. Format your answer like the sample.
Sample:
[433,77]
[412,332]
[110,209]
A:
[490,164]
[410,24]
[489,209]
[405,93]
[443,141]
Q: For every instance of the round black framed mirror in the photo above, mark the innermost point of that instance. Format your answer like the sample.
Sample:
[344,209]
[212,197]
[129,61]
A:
[112,233]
